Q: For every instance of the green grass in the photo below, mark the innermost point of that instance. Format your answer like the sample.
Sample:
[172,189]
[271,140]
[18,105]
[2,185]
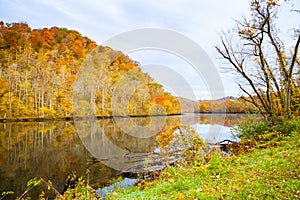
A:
[270,170]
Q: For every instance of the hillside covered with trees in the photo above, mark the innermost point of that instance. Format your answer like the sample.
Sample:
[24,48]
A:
[38,68]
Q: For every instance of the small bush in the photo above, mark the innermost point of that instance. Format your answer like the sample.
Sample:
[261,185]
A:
[251,127]
[260,129]
[286,127]
[81,191]
[182,142]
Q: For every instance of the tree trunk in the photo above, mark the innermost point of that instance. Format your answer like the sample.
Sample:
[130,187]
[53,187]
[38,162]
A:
[289,79]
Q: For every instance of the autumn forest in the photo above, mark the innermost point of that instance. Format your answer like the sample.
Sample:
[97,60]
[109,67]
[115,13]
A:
[39,68]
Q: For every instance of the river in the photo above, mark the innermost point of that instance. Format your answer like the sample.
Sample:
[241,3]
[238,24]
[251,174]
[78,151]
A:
[103,148]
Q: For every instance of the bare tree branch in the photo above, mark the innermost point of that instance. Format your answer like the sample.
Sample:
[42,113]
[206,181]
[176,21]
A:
[260,59]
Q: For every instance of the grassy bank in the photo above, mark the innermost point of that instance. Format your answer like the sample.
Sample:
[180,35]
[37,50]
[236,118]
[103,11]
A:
[263,168]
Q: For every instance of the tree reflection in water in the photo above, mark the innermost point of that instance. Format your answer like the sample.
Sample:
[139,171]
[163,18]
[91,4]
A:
[53,150]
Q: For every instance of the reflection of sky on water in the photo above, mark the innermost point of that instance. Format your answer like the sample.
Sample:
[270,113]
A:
[206,131]
[125,183]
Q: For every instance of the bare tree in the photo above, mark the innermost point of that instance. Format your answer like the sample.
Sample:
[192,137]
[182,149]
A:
[259,57]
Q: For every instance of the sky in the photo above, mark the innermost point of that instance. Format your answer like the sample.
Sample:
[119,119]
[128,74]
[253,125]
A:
[199,20]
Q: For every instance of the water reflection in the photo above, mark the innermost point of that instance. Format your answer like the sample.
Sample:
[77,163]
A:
[53,150]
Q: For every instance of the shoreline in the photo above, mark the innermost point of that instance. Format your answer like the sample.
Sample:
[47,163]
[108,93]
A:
[47,119]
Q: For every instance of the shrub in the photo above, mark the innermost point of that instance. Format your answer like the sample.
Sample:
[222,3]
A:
[256,128]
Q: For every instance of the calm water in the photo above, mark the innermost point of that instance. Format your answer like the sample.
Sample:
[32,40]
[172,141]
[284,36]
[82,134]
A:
[52,150]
